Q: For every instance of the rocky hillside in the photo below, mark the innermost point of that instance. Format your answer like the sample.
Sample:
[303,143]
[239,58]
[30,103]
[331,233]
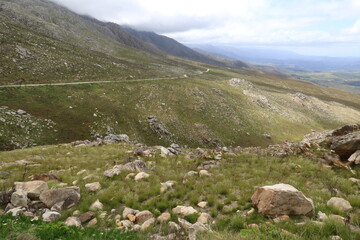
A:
[112,185]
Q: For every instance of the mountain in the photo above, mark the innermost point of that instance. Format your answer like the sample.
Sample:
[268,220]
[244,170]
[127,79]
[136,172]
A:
[172,47]
[66,77]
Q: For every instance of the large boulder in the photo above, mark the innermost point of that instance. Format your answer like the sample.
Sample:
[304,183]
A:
[33,188]
[66,197]
[346,145]
[282,199]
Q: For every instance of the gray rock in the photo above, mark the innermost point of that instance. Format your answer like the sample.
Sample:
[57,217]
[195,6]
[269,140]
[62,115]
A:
[96,206]
[93,187]
[70,196]
[141,175]
[19,199]
[143,216]
[346,145]
[147,224]
[184,211]
[33,188]
[51,216]
[355,157]
[15,211]
[136,165]
[339,204]
[282,199]
[21,112]
[128,211]
[73,221]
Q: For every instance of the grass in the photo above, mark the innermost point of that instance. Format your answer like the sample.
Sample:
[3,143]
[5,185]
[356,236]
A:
[22,228]
[240,173]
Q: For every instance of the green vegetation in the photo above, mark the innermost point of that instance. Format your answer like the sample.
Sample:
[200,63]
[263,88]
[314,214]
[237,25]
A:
[22,228]
[240,173]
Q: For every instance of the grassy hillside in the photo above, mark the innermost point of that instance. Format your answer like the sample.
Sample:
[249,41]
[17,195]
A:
[227,190]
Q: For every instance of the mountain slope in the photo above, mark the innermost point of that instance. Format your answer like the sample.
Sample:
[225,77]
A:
[172,47]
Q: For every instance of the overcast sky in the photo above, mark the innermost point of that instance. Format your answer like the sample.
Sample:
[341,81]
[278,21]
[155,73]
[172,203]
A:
[317,27]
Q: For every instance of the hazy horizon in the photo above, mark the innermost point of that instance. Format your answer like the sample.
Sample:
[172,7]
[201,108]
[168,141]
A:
[308,27]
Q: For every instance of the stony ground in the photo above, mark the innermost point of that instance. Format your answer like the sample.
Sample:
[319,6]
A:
[179,193]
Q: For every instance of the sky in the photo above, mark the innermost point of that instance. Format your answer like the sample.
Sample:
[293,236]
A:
[310,27]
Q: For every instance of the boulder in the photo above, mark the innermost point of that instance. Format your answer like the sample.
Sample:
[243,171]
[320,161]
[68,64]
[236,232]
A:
[143,216]
[73,221]
[66,197]
[346,145]
[282,199]
[93,187]
[164,217]
[141,175]
[96,206]
[33,188]
[355,157]
[19,199]
[339,204]
[184,211]
[51,216]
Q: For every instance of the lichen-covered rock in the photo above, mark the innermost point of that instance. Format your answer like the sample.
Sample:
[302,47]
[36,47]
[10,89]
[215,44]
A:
[282,199]
[19,199]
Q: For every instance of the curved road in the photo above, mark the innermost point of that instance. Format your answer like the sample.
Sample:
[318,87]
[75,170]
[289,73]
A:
[94,82]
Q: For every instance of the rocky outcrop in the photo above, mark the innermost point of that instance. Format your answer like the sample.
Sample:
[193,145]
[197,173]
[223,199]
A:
[158,127]
[282,199]
[346,145]
[136,165]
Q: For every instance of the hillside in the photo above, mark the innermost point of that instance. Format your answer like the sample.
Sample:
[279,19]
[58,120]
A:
[172,47]
[198,104]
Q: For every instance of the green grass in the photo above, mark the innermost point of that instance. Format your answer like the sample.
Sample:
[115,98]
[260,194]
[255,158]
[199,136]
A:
[22,228]
[240,173]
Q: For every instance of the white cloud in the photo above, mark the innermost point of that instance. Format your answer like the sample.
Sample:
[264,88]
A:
[232,21]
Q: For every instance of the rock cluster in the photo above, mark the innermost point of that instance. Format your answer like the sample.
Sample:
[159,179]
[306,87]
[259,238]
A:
[108,139]
[35,199]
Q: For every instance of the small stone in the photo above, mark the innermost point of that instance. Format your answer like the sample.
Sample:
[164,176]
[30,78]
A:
[92,222]
[51,216]
[335,238]
[164,217]
[73,221]
[141,175]
[96,206]
[202,204]
[81,172]
[143,216]
[166,185]
[184,211]
[204,173]
[93,187]
[136,228]
[355,157]
[76,213]
[103,215]
[130,176]
[322,216]
[131,217]
[200,227]
[190,174]
[281,218]
[86,216]
[147,224]
[339,204]
[128,211]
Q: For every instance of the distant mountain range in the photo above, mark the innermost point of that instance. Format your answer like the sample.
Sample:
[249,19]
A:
[281,58]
